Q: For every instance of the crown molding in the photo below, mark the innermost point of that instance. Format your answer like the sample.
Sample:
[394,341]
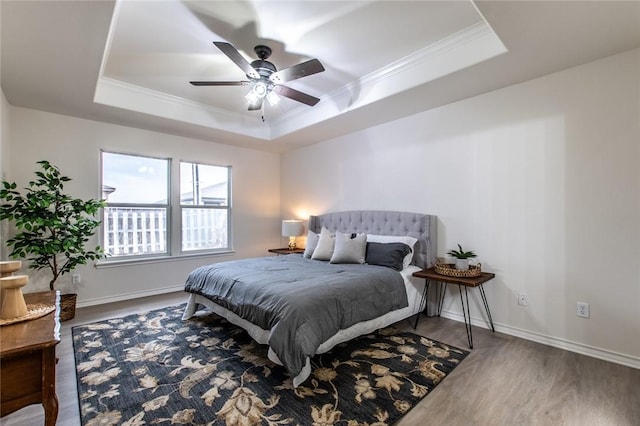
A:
[128,96]
[467,47]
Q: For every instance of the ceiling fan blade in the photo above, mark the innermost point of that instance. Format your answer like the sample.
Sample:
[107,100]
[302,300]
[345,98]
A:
[296,95]
[256,106]
[219,83]
[233,54]
[304,69]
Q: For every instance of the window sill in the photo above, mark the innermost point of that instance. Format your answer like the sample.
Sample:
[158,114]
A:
[159,259]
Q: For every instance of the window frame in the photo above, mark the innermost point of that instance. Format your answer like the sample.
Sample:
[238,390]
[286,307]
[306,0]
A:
[228,208]
[173,231]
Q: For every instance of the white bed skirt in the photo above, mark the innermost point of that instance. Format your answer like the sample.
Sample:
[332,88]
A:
[414,289]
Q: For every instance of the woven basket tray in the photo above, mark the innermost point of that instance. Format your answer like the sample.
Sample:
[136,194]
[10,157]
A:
[451,271]
[35,310]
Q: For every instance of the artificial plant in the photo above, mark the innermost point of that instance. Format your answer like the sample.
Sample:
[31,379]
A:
[461,254]
[52,227]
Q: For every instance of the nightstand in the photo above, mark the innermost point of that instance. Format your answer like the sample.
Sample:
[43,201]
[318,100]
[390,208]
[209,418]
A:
[431,275]
[285,250]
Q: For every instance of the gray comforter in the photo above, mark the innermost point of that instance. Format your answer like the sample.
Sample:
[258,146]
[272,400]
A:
[303,302]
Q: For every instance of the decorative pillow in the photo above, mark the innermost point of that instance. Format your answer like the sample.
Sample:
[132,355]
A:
[324,248]
[349,248]
[312,242]
[390,255]
[410,241]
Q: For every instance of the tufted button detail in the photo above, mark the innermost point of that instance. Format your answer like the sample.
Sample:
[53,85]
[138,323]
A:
[383,223]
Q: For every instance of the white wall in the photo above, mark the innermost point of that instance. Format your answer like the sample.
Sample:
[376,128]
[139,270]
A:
[4,134]
[4,163]
[74,145]
[541,179]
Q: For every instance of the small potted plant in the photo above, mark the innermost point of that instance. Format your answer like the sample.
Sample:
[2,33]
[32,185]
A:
[462,257]
[52,228]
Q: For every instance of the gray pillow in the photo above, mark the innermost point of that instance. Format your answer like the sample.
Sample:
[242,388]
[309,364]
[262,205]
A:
[349,248]
[387,254]
[312,242]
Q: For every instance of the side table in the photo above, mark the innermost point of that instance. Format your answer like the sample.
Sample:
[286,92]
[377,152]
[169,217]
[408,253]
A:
[431,275]
[28,360]
[285,250]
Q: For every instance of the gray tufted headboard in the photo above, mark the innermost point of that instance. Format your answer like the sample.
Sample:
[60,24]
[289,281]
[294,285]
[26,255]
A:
[380,222]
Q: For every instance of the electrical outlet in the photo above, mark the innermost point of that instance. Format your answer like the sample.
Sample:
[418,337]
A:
[582,309]
[76,279]
[523,299]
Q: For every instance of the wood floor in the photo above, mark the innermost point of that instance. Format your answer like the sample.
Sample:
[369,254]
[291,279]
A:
[504,381]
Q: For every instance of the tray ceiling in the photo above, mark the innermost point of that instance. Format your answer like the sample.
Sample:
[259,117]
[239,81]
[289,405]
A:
[129,62]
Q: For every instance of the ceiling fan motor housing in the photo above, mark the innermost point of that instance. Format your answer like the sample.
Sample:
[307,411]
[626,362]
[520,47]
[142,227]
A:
[264,68]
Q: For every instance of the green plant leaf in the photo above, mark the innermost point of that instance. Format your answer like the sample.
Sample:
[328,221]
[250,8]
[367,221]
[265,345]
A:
[461,254]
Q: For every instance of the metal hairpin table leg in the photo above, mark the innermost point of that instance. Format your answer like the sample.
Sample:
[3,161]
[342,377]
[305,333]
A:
[423,302]
[486,307]
[443,291]
[466,314]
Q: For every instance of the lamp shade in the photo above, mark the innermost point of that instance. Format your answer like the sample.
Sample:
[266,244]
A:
[292,228]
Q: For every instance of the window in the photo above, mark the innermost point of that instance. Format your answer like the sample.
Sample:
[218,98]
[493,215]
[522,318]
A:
[137,193]
[204,203]
[141,211]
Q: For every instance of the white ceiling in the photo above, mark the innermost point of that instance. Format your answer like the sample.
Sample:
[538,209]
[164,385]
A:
[129,62]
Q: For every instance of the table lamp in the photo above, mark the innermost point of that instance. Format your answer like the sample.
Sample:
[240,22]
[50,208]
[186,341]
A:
[292,228]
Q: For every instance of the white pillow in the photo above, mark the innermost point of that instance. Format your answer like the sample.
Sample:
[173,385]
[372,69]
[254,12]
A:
[312,242]
[410,241]
[349,250]
[324,248]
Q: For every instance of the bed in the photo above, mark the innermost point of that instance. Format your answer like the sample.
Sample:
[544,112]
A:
[317,312]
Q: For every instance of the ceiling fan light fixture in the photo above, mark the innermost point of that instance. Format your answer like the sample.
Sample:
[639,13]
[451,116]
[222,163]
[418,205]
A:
[251,97]
[260,89]
[273,98]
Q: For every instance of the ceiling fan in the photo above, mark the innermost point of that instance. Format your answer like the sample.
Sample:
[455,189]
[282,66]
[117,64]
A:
[264,78]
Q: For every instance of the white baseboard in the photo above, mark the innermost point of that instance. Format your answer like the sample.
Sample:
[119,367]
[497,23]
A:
[129,296]
[556,342]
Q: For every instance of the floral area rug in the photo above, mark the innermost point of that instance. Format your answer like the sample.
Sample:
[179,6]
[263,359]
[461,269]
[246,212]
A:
[154,368]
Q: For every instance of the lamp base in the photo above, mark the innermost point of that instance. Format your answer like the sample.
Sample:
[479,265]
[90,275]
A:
[292,243]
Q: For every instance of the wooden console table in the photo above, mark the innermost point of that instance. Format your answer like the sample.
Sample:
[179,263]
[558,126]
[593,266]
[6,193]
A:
[28,360]
[431,275]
